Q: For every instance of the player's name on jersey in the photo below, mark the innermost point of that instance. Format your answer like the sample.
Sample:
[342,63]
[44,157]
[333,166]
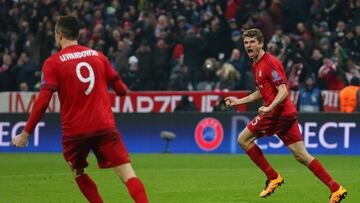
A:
[77,55]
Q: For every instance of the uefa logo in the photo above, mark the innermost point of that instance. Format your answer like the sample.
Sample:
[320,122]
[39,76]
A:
[209,134]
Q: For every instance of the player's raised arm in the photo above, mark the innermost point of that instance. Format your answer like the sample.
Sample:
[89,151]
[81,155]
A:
[233,101]
[280,97]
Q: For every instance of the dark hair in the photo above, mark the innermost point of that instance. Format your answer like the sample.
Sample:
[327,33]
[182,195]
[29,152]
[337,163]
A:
[254,33]
[355,81]
[69,26]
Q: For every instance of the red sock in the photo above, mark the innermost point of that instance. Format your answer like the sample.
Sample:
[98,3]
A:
[316,167]
[88,188]
[137,190]
[257,156]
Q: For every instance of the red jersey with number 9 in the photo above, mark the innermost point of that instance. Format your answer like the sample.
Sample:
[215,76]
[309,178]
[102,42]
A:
[269,74]
[81,76]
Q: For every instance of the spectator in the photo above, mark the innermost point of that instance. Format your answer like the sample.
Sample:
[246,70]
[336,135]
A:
[208,79]
[198,30]
[25,73]
[6,80]
[229,77]
[131,74]
[179,79]
[145,56]
[7,62]
[329,72]
[161,64]
[353,70]
[193,46]
[349,97]
[310,99]
[120,56]
[315,63]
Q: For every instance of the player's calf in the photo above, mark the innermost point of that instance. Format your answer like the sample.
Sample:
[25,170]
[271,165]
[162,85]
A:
[88,187]
[137,190]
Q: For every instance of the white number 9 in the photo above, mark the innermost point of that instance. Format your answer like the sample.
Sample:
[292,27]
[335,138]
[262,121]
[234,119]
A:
[90,79]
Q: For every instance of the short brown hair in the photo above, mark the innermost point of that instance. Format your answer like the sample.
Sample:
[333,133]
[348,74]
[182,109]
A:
[69,26]
[254,33]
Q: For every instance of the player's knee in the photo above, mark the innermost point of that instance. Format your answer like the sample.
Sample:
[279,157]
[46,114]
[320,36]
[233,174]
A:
[78,172]
[301,157]
[243,142]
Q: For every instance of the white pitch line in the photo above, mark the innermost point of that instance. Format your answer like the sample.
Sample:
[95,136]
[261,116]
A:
[144,171]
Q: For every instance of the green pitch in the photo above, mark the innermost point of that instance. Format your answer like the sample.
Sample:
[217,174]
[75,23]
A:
[171,178]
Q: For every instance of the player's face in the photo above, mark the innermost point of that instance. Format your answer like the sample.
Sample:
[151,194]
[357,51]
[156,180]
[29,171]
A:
[252,47]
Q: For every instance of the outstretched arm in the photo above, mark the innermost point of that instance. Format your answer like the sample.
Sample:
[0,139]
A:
[280,97]
[233,101]
[36,114]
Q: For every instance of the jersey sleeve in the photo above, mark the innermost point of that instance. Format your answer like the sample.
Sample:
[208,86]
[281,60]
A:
[38,110]
[277,73]
[110,73]
[48,78]
[113,79]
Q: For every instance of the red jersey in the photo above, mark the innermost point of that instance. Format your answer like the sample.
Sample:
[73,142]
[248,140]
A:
[81,76]
[269,74]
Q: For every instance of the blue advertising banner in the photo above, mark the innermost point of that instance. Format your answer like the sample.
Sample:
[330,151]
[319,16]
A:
[323,133]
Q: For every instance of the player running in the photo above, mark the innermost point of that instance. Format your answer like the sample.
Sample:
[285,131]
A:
[81,77]
[277,116]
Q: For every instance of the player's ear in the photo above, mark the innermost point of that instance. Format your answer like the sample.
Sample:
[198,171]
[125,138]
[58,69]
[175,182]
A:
[262,45]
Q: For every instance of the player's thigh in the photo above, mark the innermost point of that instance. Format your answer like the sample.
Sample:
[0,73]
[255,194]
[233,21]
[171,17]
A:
[246,136]
[125,171]
[257,128]
[110,150]
[75,153]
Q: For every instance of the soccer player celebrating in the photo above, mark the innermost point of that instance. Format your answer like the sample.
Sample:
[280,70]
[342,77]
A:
[277,116]
[81,77]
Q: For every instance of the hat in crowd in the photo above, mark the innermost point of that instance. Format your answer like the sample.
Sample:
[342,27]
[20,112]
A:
[110,10]
[324,41]
[324,24]
[236,33]
[310,76]
[127,24]
[133,60]
[180,18]
[232,20]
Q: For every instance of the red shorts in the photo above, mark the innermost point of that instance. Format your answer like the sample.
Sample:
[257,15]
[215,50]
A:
[287,129]
[109,150]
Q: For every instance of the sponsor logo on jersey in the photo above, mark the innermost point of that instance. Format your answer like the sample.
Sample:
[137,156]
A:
[275,75]
[209,134]
[260,73]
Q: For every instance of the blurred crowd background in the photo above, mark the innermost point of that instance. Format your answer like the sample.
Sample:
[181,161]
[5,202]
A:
[187,45]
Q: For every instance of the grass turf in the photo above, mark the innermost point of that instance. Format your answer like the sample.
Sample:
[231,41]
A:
[172,178]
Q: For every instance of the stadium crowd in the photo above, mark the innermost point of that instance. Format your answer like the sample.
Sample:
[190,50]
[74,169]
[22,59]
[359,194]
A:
[187,45]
